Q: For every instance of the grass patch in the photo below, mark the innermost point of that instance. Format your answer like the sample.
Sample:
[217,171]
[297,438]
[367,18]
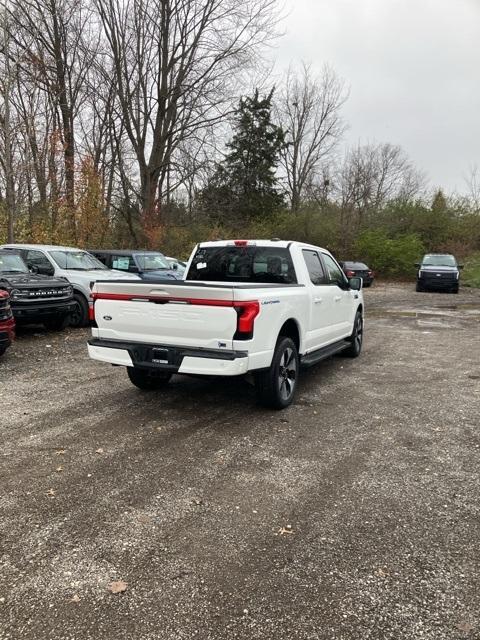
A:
[471,273]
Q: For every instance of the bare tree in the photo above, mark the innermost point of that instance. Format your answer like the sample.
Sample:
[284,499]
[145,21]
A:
[309,110]
[175,63]
[9,71]
[373,174]
[473,185]
[57,42]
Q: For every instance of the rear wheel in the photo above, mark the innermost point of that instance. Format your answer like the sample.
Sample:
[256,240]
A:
[148,380]
[356,339]
[79,315]
[276,386]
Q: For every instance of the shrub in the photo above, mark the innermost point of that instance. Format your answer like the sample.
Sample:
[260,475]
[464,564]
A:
[390,257]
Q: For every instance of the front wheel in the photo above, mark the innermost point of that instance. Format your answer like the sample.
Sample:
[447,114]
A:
[148,380]
[275,387]
[79,315]
[419,288]
[356,339]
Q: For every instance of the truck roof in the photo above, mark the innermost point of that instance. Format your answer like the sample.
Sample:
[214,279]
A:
[44,247]
[285,244]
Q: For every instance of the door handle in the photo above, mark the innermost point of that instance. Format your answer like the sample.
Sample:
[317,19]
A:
[337,298]
[317,300]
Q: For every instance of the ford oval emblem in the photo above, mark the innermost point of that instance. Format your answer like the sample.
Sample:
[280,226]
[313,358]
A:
[107,317]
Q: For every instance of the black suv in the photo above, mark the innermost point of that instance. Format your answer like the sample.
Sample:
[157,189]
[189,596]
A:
[438,271]
[35,298]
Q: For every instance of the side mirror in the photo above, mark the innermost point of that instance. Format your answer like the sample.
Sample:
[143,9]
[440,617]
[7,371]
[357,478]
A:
[460,266]
[174,266]
[355,283]
[33,268]
[417,264]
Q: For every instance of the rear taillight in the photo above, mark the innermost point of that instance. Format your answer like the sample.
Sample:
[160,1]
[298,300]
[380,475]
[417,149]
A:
[91,309]
[246,312]
[349,273]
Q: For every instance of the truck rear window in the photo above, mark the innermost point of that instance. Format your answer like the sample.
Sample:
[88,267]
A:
[243,264]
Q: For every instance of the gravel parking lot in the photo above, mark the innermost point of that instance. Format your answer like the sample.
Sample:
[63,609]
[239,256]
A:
[354,514]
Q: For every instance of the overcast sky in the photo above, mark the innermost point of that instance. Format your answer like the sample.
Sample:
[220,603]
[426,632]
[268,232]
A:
[413,68]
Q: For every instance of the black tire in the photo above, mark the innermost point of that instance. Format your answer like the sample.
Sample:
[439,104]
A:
[455,289]
[356,339]
[147,380]
[275,387]
[419,288]
[2,350]
[79,316]
[57,323]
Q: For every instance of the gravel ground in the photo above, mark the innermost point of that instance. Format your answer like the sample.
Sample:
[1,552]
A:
[354,514]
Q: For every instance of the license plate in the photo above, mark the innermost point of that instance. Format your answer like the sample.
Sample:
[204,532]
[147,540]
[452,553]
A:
[160,356]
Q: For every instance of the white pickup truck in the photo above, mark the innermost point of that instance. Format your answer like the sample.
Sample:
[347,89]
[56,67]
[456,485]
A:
[265,307]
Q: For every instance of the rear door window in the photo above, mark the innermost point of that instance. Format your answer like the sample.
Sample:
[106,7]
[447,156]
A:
[314,266]
[243,264]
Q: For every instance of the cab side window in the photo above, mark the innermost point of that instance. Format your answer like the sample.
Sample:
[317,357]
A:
[38,259]
[124,263]
[335,274]
[314,266]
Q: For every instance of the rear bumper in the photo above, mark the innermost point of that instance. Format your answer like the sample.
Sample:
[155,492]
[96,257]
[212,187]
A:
[174,359]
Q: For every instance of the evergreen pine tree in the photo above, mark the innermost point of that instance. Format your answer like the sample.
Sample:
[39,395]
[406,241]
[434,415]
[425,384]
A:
[244,186]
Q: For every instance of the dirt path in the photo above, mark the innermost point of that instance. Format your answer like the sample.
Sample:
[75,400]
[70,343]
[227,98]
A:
[354,514]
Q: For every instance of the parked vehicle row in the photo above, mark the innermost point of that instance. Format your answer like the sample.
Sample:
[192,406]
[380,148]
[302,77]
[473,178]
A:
[76,266]
[51,285]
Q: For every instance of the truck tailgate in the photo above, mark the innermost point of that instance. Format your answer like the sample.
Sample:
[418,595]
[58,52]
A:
[169,314]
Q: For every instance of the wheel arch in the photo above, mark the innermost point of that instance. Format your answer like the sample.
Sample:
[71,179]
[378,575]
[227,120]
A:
[291,329]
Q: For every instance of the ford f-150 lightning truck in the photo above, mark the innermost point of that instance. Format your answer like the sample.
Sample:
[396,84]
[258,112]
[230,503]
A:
[264,307]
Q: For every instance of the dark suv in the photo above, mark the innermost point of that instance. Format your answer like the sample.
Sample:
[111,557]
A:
[438,271]
[35,298]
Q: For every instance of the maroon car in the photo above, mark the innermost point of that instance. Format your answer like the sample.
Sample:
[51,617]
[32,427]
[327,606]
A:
[7,323]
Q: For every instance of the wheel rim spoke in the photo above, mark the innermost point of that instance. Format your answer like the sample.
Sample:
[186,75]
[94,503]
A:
[287,373]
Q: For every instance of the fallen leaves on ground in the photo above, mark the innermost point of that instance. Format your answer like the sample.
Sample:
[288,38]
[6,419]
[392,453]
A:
[284,531]
[60,452]
[466,627]
[50,492]
[59,469]
[100,450]
[75,598]
[144,518]
[117,586]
